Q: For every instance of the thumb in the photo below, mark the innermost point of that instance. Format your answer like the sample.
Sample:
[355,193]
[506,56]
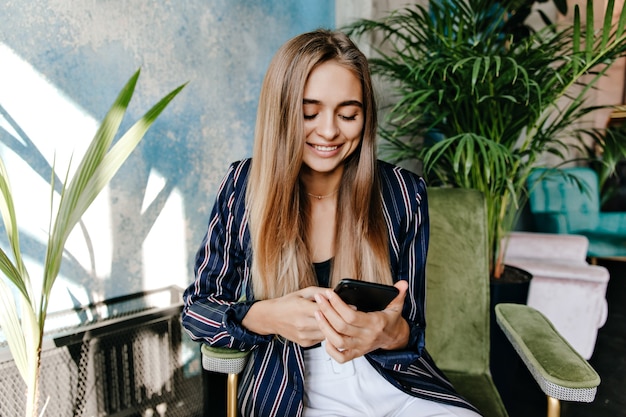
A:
[398,302]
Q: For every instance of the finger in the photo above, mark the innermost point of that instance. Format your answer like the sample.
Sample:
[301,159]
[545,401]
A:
[337,316]
[339,355]
[325,327]
[402,286]
[338,341]
[310,292]
[398,303]
[343,313]
[311,341]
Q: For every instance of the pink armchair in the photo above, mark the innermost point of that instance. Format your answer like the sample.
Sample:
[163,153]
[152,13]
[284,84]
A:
[570,292]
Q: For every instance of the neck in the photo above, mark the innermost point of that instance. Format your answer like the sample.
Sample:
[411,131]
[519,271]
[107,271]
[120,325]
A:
[320,185]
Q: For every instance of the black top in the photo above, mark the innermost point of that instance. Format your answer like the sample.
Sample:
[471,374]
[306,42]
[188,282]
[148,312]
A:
[322,271]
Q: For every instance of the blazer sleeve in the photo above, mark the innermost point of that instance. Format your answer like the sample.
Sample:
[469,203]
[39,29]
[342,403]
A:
[406,211]
[218,299]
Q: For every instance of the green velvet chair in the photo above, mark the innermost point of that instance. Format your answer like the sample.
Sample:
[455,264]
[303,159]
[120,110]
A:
[457,295]
[558,205]
[457,315]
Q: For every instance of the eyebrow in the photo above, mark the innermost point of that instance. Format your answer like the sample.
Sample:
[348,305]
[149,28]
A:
[342,104]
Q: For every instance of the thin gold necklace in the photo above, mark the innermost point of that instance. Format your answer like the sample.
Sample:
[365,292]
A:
[319,197]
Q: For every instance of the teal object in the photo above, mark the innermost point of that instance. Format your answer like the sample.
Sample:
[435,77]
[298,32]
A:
[569,203]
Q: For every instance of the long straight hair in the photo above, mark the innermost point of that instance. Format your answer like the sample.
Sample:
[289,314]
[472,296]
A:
[277,203]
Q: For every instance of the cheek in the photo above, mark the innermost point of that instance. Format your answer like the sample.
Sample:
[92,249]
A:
[353,133]
[354,142]
[308,129]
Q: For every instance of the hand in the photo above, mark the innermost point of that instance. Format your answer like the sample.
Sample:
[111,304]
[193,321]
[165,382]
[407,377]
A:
[291,316]
[350,334]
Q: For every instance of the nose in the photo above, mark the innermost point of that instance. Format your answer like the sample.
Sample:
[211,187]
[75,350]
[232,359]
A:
[327,127]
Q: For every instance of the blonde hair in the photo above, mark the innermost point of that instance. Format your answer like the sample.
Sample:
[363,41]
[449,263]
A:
[276,202]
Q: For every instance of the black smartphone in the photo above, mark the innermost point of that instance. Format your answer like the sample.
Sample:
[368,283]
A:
[366,296]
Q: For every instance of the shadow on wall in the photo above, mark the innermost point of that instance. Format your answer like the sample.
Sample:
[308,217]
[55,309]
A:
[62,63]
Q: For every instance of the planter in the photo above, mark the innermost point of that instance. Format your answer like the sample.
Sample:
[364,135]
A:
[511,287]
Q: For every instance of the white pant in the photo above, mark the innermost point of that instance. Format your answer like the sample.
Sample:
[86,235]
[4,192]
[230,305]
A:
[355,389]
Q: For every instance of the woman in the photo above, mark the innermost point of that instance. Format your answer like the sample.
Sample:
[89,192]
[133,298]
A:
[313,206]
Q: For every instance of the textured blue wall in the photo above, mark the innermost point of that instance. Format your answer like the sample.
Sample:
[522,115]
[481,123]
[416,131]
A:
[62,63]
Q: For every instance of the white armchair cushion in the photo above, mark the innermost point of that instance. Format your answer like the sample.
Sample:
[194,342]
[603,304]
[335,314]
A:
[565,288]
[548,246]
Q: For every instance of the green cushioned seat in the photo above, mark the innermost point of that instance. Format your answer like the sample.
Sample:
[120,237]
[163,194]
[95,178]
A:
[457,295]
[478,388]
[223,360]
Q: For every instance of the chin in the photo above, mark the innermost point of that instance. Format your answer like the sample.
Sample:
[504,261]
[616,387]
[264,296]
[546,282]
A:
[322,167]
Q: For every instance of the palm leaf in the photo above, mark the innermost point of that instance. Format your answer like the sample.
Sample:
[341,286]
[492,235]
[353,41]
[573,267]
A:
[16,272]
[98,147]
[94,177]
[24,330]
[590,32]
[12,328]
[621,24]
[608,22]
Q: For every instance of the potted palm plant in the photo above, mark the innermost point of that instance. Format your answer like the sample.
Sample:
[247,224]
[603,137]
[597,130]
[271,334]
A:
[480,103]
[479,99]
[23,308]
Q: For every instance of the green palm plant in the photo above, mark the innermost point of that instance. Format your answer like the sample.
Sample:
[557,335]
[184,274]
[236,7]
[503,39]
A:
[480,107]
[23,308]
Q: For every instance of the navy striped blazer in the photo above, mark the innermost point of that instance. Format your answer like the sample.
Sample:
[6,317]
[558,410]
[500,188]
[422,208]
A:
[272,383]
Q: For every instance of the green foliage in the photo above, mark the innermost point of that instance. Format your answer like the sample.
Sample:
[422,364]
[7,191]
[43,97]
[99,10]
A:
[23,312]
[611,141]
[495,102]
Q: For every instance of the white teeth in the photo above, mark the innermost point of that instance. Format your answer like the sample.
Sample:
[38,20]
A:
[325,148]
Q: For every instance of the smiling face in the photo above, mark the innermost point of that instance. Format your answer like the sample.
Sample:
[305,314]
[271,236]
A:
[333,118]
